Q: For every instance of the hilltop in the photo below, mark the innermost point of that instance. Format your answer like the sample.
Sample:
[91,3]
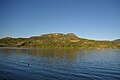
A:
[57,40]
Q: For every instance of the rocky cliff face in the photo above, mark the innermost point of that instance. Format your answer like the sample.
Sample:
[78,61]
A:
[60,35]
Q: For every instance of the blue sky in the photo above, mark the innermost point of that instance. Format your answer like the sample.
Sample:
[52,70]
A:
[92,19]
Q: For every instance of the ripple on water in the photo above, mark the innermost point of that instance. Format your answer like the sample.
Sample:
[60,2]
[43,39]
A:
[50,68]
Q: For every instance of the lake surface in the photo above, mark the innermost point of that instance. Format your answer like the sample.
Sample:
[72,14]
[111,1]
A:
[59,64]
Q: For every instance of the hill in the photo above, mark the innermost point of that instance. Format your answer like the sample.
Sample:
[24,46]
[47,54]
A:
[57,40]
[117,40]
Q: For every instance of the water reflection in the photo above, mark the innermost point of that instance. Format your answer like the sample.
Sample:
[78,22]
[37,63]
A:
[60,54]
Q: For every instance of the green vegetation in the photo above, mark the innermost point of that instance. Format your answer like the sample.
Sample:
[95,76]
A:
[58,40]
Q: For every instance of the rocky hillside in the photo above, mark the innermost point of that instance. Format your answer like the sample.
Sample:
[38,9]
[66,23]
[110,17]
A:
[57,40]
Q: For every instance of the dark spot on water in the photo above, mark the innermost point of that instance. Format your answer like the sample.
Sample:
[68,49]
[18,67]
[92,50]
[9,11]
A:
[28,64]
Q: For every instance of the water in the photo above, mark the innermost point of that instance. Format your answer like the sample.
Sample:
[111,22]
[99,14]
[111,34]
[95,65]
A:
[59,64]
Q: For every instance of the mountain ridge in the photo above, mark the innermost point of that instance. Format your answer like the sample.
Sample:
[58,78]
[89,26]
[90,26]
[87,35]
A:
[58,40]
